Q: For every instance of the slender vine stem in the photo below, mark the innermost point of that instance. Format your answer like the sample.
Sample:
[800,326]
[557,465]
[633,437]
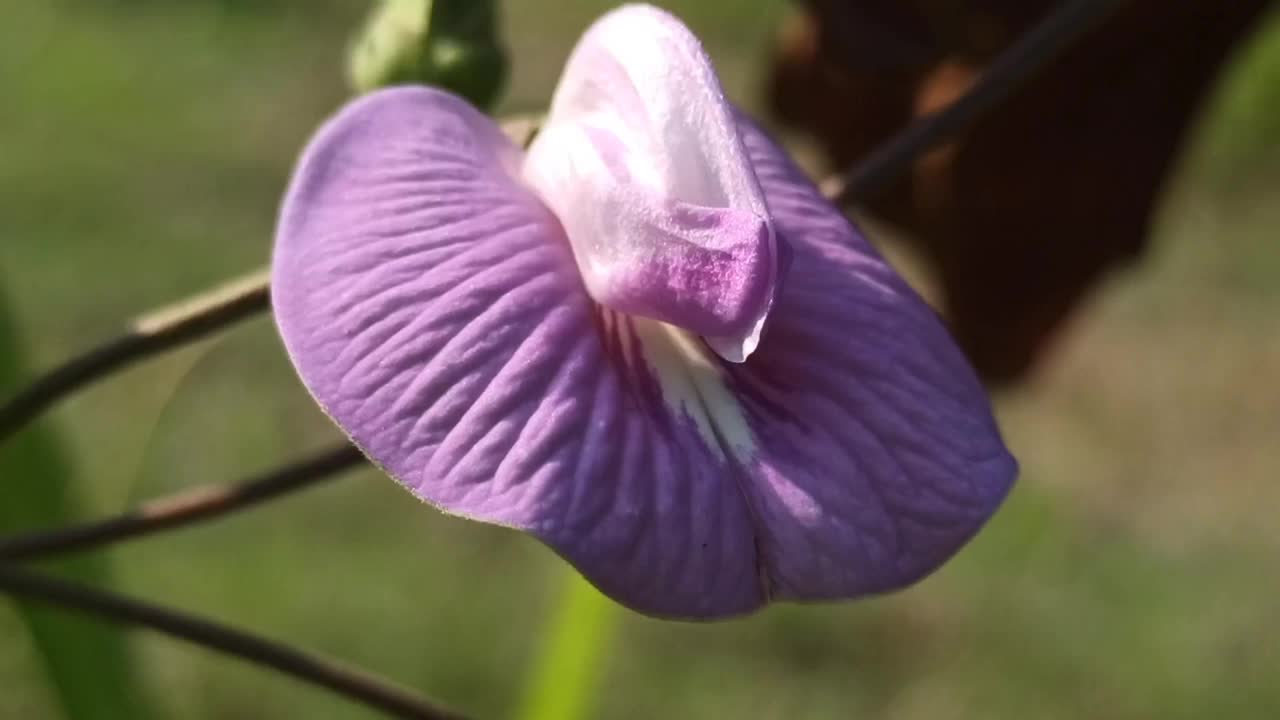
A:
[1007,73]
[151,334]
[354,684]
[184,508]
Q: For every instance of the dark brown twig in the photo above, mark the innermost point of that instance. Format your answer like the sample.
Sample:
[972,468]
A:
[1010,70]
[149,335]
[185,508]
[353,684]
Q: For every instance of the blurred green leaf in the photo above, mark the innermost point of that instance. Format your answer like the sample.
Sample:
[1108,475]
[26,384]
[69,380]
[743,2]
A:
[1241,133]
[86,662]
[452,44]
[567,673]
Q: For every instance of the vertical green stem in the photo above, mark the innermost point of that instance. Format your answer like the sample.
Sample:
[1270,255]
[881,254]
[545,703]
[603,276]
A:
[566,674]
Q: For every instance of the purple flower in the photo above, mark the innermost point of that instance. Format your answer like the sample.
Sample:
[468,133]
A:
[648,342]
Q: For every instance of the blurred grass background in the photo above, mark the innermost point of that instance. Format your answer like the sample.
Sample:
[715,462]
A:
[1134,573]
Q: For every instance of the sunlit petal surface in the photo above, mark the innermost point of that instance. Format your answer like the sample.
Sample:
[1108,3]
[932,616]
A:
[641,160]
[876,456]
[433,306]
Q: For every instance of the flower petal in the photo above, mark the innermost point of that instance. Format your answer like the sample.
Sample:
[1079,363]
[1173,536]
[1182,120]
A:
[432,306]
[876,454]
[640,159]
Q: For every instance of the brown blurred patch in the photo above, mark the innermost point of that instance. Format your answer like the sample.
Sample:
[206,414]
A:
[1023,215]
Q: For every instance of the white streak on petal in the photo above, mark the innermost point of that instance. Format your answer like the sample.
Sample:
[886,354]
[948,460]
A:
[693,384]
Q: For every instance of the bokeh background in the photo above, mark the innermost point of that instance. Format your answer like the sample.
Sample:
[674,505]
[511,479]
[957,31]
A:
[1133,573]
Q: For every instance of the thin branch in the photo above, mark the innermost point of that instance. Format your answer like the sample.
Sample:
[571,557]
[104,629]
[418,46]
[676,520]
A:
[1009,72]
[149,335]
[351,683]
[185,508]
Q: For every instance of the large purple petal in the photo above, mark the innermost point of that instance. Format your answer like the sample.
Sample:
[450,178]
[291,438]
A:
[876,454]
[432,306]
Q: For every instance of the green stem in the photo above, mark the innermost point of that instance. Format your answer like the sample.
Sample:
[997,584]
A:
[566,674]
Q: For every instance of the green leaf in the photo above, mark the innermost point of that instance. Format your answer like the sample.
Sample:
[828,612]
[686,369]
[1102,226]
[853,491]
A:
[452,44]
[87,663]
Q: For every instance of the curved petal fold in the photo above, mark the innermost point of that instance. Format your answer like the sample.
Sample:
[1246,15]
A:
[876,453]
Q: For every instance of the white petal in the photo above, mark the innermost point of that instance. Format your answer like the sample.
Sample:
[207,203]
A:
[641,160]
